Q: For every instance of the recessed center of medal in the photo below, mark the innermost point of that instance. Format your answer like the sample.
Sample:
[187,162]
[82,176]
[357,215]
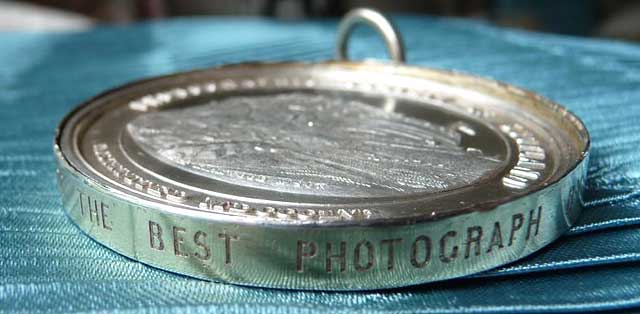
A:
[313,144]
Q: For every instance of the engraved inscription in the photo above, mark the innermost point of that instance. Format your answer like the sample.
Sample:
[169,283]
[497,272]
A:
[357,255]
[94,210]
[311,144]
[184,243]
[419,252]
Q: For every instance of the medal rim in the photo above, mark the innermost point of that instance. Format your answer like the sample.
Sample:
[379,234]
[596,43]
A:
[71,180]
[490,205]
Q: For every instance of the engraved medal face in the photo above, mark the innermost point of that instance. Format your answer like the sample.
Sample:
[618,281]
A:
[333,176]
[313,144]
[290,146]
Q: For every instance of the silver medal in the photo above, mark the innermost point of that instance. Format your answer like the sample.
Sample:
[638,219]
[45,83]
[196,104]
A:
[337,176]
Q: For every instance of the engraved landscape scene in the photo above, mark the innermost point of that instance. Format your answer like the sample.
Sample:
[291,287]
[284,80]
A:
[310,144]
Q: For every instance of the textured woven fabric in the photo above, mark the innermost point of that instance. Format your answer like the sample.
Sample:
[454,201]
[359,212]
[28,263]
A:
[47,265]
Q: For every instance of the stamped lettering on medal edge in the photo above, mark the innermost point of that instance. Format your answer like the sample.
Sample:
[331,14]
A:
[361,255]
[419,252]
[197,244]
[95,211]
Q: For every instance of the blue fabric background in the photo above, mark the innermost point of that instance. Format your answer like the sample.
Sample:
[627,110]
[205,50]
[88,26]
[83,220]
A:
[47,265]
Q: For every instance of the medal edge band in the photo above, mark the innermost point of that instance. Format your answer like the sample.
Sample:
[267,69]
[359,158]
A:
[336,258]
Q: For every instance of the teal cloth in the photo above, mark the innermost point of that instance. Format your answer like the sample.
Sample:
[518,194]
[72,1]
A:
[47,265]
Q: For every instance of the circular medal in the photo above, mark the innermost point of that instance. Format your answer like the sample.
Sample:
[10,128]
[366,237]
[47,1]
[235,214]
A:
[335,176]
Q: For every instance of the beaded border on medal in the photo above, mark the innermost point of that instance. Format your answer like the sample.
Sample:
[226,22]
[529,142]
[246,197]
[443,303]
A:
[531,155]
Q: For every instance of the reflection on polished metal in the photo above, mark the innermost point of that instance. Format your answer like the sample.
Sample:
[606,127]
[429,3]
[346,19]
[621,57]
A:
[294,142]
[379,23]
[335,176]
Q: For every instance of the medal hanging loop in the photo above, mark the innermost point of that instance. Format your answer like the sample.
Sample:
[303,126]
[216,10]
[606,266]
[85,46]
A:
[376,20]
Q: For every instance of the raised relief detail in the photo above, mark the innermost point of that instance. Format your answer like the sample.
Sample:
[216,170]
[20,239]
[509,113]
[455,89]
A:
[299,214]
[310,144]
[531,158]
[130,178]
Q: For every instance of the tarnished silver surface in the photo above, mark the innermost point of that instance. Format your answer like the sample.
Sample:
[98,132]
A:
[337,175]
